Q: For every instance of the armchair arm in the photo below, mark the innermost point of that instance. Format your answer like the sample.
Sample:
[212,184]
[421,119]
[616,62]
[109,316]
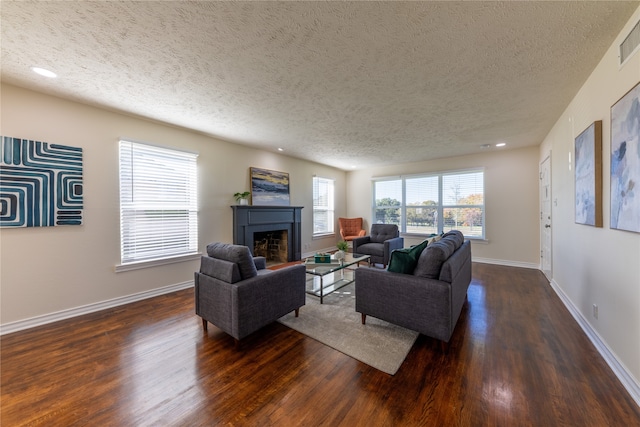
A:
[213,301]
[358,241]
[260,262]
[391,245]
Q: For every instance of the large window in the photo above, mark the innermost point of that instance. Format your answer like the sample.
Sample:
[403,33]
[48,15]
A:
[436,203]
[158,203]
[323,206]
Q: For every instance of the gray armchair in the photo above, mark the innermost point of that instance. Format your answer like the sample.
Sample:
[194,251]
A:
[235,292]
[383,239]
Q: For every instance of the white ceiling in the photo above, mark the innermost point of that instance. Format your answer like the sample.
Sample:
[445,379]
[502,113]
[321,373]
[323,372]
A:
[339,83]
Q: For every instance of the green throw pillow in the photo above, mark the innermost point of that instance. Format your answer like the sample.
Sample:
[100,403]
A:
[404,260]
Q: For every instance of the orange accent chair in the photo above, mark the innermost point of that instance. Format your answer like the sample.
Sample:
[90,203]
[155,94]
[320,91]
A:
[350,228]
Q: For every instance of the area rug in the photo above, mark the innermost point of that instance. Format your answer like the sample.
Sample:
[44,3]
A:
[336,323]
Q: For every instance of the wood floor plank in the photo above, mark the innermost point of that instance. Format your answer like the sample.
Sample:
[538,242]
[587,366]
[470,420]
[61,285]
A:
[517,357]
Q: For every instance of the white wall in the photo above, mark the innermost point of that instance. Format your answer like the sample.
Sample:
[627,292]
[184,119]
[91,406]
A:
[50,269]
[596,265]
[511,201]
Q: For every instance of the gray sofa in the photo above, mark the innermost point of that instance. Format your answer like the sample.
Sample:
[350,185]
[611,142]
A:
[235,292]
[383,239]
[429,299]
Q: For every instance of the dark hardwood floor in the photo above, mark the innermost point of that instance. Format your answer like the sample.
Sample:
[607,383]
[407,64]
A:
[517,358]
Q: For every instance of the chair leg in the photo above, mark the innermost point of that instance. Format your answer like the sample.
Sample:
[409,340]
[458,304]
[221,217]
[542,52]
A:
[204,324]
[444,347]
[297,312]
[364,318]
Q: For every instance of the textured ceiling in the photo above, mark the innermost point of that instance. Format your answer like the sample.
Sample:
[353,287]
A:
[372,83]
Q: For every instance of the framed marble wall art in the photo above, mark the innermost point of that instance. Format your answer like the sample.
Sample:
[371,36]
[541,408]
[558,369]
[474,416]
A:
[625,162]
[40,184]
[588,176]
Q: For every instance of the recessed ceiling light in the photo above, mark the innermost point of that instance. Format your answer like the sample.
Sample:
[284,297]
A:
[44,72]
[485,146]
[280,149]
[501,144]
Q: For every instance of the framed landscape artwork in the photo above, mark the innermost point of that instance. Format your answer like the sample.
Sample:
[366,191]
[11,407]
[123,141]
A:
[269,187]
[625,162]
[588,158]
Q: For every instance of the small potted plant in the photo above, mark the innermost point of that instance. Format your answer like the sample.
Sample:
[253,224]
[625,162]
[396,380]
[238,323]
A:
[242,198]
[342,249]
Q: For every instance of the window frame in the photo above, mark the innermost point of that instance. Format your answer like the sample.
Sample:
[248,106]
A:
[329,208]
[165,193]
[440,207]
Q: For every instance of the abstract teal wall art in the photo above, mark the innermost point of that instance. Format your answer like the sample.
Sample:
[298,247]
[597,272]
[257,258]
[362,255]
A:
[40,183]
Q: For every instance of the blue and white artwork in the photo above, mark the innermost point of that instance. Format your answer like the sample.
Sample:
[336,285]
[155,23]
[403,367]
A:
[269,187]
[625,162]
[588,156]
[40,184]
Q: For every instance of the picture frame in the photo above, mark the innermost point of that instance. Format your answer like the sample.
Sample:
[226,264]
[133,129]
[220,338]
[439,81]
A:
[625,162]
[269,188]
[588,175]
[41,184]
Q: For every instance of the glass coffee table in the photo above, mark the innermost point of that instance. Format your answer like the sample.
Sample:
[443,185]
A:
[329,277]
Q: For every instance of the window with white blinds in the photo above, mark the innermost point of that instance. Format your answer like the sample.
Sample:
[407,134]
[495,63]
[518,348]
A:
[323,206]
[158,202]
[388,200]
[435,203]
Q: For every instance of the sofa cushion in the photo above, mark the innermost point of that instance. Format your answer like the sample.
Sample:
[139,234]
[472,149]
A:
[238,254]
[404,260]
[456,236]
[373,249]
[382,232]
[451,242]
[432,258]
[220,269]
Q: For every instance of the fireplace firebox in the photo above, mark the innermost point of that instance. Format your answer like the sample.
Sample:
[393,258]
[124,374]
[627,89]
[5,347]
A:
[273,245]
[252,224]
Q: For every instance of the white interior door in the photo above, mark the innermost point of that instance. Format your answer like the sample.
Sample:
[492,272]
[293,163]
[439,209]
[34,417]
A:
[545,218]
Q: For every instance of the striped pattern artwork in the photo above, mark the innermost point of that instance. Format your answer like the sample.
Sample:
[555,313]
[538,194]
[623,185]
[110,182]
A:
[40,184]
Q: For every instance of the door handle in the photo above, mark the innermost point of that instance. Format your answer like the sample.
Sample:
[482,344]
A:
[547,226]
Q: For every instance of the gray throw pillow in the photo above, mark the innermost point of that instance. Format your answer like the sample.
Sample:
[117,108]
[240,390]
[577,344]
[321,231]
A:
[220,269]
[451,242]
[239,254]
[456,236]
[432,258]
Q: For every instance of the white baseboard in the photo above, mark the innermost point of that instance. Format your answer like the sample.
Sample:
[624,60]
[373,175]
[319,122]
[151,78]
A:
[32,322]
[628,381]
[506,262]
